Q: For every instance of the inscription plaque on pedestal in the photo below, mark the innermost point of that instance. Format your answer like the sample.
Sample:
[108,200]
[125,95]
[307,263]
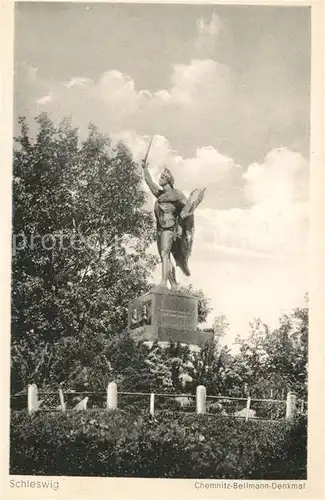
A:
[165,315]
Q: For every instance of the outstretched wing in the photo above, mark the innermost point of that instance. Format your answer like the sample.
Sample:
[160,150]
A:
[182,246]
[193,202]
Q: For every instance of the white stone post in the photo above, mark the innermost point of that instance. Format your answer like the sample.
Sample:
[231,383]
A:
[201,397]
[111,396]
[32,398]
[152,404]
[62,403]
[248,406]
[291,406]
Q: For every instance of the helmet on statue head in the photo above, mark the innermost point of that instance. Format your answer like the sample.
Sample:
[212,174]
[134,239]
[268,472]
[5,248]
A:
[167,177]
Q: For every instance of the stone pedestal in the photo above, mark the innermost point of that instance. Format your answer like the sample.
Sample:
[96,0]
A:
[165,315]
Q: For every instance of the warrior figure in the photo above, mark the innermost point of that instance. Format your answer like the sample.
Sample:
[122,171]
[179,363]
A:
[175,222]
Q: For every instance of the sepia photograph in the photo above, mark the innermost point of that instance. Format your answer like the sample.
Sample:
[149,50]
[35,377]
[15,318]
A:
[160,241]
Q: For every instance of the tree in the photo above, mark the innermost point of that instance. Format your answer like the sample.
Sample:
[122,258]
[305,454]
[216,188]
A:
[204,307]
[288,352]
[80,235]
[220,327]
[272,362]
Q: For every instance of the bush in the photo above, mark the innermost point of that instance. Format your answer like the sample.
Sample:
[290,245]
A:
[290,458]
[173,445]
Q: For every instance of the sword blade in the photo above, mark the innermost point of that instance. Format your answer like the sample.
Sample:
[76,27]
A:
[147,153]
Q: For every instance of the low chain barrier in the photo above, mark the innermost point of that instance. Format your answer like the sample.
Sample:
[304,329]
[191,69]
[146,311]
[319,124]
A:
[111,399]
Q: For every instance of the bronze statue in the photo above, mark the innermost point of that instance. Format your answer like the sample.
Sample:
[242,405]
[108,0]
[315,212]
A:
[175,222]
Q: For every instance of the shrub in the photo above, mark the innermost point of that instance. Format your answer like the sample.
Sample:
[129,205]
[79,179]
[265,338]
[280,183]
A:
[173,445]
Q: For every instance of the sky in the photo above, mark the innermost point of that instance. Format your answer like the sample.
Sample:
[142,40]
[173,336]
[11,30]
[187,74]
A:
[225,90]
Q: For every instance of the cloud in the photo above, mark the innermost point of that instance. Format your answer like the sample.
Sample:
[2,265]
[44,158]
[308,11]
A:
[276,223]
[117,91]
[261,209]
[197,94]
[264,231]
[115,104]
[32,93]
[199,82]
[78,81]
[45,99]
[207,167]
[280,180]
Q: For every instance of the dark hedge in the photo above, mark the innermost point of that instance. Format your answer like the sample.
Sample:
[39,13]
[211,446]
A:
[174,445]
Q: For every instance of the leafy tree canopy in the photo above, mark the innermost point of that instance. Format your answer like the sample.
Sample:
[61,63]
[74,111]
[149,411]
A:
[80,233]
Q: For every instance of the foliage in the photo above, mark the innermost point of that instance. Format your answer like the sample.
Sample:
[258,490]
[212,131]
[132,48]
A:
[208,367]
[80,234]
[174,445]
[220,327]
[271,362]
[90,361]
[204,307]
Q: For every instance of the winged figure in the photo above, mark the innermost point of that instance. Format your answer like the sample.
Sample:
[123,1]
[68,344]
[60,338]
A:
[174,214]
